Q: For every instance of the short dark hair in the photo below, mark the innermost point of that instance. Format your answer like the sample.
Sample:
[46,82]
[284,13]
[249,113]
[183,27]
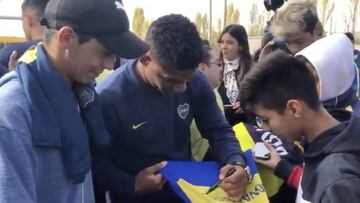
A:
[38,6]
[275,80]
[205,54]
[205,42]
[174,41]
[48,34]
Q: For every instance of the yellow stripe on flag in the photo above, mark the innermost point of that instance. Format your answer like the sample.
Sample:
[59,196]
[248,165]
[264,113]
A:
[271,182]
[255,193]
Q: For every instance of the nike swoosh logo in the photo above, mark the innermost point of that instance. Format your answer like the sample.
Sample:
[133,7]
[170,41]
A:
[134,127]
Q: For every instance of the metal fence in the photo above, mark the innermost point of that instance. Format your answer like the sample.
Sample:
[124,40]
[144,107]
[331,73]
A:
[10,17]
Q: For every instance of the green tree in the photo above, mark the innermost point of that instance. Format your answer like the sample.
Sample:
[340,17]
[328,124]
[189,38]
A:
[137,21]
[257,22]
[219,25]
[139,24]
[198,22]
[205,27]
[325,9]
[216,33]
[232,15]
[202,25]
[354,12]
[350,17]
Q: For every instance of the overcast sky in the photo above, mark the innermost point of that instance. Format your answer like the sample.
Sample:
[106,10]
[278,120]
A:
[156,8]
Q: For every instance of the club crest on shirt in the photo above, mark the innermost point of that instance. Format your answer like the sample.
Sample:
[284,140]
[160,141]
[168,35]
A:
[119,5]
[183,110]
[85,95]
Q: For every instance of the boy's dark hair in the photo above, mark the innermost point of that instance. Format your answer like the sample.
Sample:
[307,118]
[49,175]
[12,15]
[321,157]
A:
[174,41]
[205,54]
[275,80]
[37,5]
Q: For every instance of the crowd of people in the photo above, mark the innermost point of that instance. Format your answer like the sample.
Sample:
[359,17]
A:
[66,138]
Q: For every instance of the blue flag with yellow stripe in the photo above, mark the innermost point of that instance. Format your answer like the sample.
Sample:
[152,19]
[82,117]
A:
[191,180]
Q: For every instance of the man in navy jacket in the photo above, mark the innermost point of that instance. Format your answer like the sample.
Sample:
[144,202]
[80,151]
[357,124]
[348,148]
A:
[148,106]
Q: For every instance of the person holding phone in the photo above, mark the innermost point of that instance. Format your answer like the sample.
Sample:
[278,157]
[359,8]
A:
[282,91]
[236,62]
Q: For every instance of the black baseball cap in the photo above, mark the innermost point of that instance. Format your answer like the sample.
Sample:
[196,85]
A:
[105,20]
